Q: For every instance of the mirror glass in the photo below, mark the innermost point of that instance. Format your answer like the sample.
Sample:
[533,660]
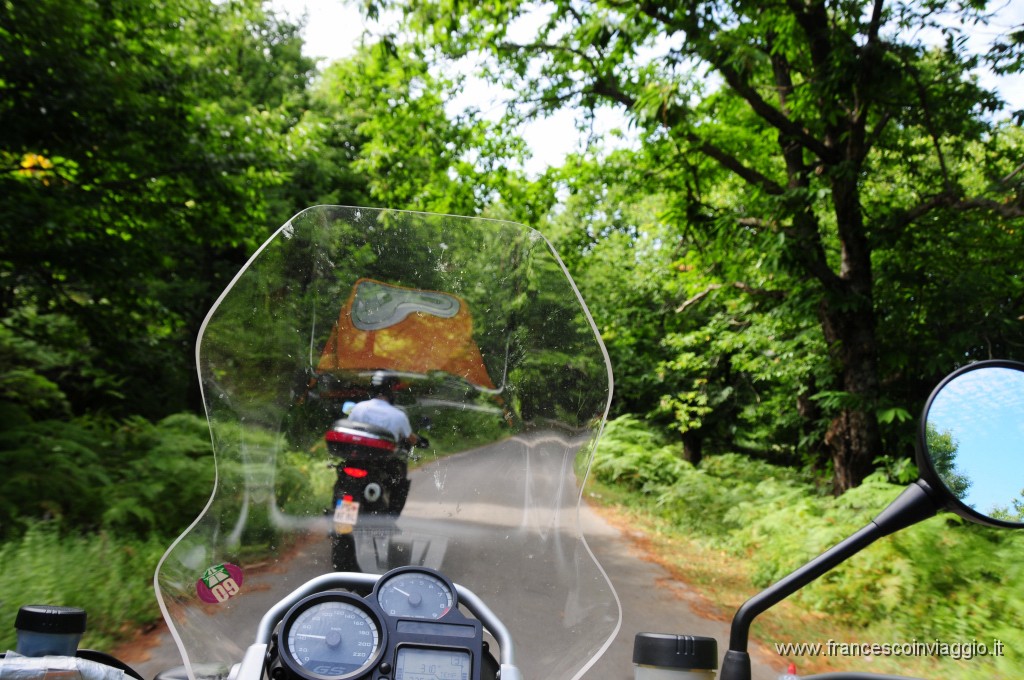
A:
[974,436]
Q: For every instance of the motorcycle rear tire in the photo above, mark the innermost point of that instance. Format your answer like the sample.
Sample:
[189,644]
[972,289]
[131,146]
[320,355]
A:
[343,553]
[399,495]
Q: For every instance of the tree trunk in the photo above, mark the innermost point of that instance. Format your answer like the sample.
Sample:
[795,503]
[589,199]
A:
[853,438]
[848,320]
[693,447]
[810,413]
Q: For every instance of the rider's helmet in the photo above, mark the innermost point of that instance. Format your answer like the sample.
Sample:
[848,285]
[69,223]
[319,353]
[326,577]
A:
[383,384]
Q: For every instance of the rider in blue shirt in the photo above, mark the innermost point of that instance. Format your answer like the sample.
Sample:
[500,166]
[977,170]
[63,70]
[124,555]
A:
[379,410]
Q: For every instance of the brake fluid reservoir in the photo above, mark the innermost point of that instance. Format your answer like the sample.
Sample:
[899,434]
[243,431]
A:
[45,630]
[657,656]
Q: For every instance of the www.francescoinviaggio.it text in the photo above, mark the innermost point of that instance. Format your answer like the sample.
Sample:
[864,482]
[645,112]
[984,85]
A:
[920,648]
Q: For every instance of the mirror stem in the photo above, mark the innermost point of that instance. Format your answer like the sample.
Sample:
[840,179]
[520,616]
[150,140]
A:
[915,504]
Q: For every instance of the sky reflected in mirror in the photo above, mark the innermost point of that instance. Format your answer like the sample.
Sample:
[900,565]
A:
[975,437]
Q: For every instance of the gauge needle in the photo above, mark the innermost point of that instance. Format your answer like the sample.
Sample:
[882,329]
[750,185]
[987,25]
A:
[402,592]
[307,635]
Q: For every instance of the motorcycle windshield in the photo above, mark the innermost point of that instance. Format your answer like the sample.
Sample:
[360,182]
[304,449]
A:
[486,339]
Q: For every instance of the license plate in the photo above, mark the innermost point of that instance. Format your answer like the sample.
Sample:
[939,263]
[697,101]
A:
[345,515]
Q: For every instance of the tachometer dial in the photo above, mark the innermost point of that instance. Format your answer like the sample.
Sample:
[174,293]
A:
[415,594]
[331,636]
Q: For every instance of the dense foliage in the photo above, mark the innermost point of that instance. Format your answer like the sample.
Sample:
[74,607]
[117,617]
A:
[147,150]
[142,167]
[942,579]
[132,478]
[113,496]
[806,155]
[139,145]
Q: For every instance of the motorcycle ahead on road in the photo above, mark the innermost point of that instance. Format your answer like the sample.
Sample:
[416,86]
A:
[485,573]
[372,481]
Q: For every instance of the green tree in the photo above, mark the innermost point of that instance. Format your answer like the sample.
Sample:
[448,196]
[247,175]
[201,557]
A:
[138,144]
[706,342]
[809,112]
[942,449]
[380,122]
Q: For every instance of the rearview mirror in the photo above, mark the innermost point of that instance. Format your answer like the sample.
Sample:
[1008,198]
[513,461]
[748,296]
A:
[971,442]
[970,447]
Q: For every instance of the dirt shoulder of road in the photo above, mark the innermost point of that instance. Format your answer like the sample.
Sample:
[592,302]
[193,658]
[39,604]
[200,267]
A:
[713,582]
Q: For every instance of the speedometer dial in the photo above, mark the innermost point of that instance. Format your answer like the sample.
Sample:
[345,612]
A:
[415,593]
[331,636]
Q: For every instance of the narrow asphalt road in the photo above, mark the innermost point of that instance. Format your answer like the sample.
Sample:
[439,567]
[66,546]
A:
[535,492]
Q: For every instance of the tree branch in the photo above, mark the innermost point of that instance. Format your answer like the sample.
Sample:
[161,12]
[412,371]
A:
[756,223]
[876,22]
[739,285]
[1010,210]
[725,159]
[1013,174]
[698,297]
[719,61]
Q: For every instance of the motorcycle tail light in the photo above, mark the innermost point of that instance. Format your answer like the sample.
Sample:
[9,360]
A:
[358,473]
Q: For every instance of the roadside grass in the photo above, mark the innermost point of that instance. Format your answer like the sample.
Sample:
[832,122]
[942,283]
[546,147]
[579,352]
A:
[733,525]
[160,477]
[108,576]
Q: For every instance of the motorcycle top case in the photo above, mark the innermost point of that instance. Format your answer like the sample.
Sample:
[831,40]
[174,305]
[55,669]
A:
[352,440]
